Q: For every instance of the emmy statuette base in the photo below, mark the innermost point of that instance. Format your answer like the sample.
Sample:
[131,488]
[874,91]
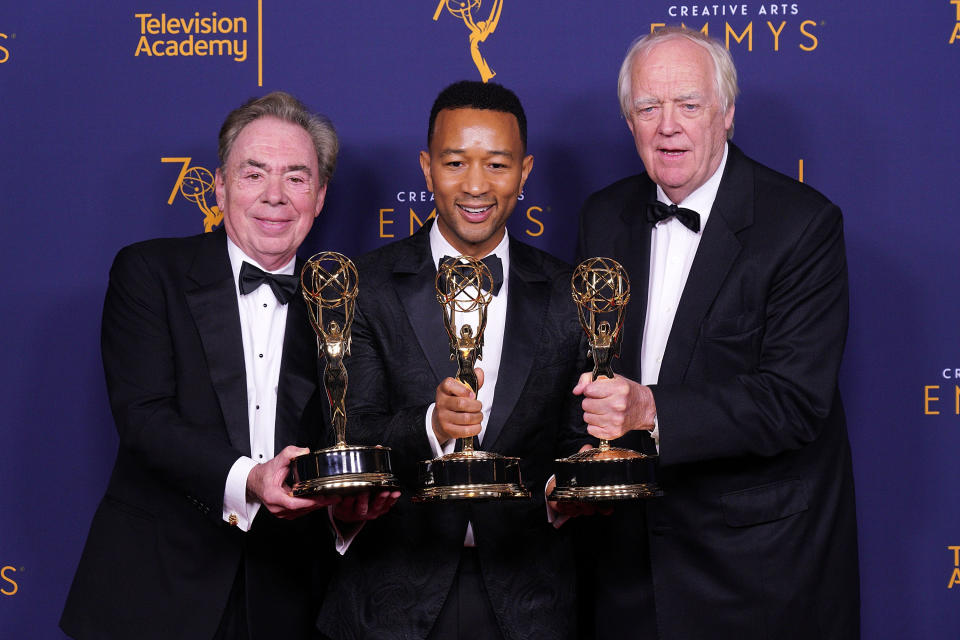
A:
[475,475]
[605,476]
[343,470]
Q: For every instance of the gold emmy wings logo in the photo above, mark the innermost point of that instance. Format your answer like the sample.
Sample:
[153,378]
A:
[194,183]
[467,11]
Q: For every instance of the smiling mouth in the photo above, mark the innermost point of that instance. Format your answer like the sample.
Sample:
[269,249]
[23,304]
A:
[476,213]
[673,153]
[272,224]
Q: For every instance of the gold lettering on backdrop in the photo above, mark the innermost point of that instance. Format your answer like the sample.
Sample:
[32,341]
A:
[927,399]
[538,232]
[183,36]
[384,222]
[776,36]
[955,576]
[4,52]
[738,34]
[747,33]
[6,576]
[480,30]
[420,223]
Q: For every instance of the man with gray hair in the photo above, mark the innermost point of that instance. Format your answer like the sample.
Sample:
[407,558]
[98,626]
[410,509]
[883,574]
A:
[211,369]
[730,372]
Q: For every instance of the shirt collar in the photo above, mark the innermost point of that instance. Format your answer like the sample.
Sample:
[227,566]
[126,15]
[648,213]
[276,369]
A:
[238,257]
[439,247]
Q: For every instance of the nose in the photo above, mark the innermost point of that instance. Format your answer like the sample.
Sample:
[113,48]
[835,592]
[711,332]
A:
[273,192]
[669,122]
[475,180]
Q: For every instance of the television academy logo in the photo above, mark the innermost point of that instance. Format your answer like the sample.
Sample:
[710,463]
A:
[202,33]
[480,30]
[194,183]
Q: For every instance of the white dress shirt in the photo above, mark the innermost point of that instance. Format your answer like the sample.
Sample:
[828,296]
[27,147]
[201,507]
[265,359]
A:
[262,324]
[492,343]
[672,250]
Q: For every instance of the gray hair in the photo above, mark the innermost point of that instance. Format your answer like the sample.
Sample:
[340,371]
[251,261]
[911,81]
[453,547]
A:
[724,71]
[283,106]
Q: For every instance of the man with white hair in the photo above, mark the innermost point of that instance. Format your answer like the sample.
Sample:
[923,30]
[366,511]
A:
[730,364]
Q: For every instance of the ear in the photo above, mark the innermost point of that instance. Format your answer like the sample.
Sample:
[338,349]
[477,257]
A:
[219,188]
[728,118]
[525,170]
[425,167]
[321,196]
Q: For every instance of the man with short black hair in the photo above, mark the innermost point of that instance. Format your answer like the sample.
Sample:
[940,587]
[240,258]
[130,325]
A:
[464,570]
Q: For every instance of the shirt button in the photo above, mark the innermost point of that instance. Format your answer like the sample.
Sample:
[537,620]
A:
[261,355]
[264,305]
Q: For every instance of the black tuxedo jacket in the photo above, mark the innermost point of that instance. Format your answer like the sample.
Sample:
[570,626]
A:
[755,536]
[394,579]
[159,560]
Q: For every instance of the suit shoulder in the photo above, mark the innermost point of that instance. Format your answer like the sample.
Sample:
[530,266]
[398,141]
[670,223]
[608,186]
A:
[549,264]
[379,263]
[616,192]
[158,251]
[161,247]
[773,186]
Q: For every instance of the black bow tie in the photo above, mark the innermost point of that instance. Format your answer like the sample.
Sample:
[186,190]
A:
[658,211]
[493,264]
[284,286]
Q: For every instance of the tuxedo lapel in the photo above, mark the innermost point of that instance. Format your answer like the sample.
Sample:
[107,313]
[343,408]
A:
[526,309]
[633,246]
[414,276]
[299,370]
[719,247]
[213,305]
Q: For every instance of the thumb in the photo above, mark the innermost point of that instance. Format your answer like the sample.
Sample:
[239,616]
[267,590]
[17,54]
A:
[290,452]
[585,378]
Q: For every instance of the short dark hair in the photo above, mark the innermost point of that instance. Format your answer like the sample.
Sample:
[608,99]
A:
[283,106]
[473,94]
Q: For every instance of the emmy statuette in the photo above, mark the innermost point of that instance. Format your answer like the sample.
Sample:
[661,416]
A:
[601,291]
[463,288]
[329,281]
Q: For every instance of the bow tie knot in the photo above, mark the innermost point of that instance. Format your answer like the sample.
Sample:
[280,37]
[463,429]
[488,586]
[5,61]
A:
[283,286]
[658,211]
[492,262]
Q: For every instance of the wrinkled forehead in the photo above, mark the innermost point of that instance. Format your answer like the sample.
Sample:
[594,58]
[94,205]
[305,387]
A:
[676,64]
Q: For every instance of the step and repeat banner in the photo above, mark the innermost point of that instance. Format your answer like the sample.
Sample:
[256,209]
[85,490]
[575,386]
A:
[109,113]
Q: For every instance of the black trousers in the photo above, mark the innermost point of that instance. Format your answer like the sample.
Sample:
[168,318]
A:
[467,612]
[233,624]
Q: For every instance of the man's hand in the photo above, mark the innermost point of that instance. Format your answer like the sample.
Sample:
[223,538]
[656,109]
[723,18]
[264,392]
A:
[612,407]
[360,507]
[573,509]
[266,484]
[457,413]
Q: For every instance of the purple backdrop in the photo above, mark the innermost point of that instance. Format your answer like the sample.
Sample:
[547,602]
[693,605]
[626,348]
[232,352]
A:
[104,141]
